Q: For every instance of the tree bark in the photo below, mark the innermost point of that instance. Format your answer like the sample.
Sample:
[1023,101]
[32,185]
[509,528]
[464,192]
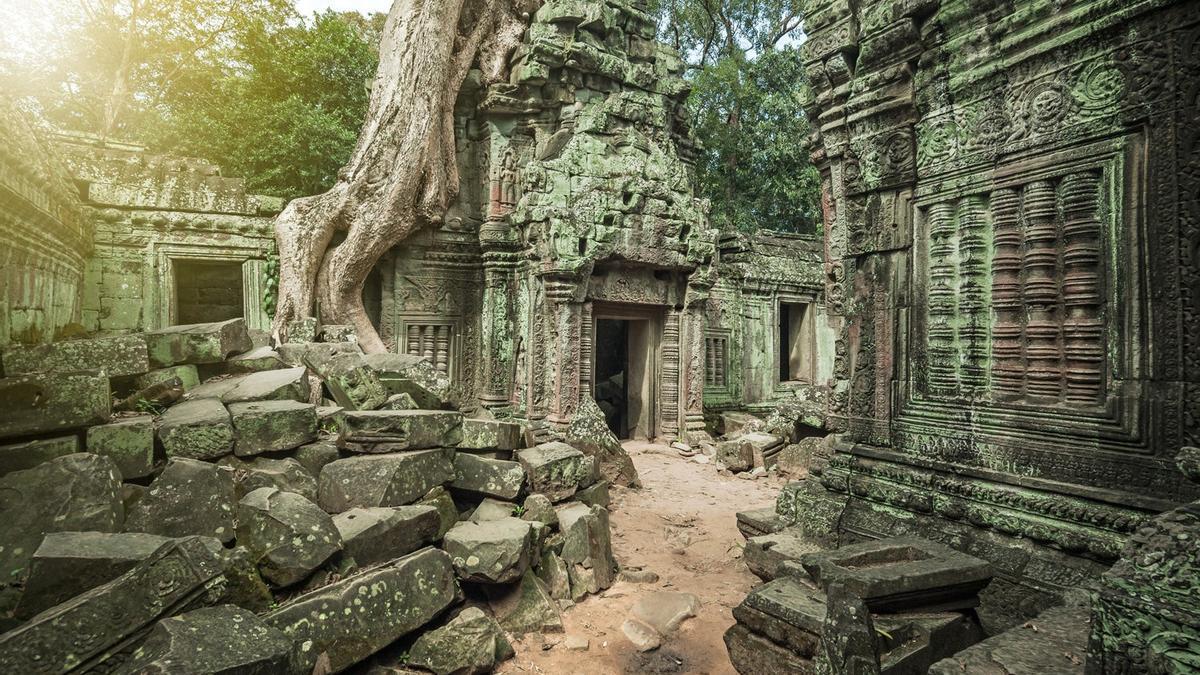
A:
[403,174]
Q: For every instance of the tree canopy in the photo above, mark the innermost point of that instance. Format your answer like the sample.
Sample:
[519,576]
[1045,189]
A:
[748,85]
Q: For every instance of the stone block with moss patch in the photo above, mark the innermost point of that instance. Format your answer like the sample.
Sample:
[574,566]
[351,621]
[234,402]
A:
[395,479]
[21,456]
[198,343]
[114,356]
[128,442]
[197,429]
[44,404]
[270,426]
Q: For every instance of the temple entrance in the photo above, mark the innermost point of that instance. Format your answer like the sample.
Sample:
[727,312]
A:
[625,374]
[208,290]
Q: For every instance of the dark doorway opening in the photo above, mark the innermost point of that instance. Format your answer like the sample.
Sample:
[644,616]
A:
[207,291]
[612,364]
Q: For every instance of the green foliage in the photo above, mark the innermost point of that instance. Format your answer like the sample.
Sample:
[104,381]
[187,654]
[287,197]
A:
[287,117]
[746,106]
[271,272]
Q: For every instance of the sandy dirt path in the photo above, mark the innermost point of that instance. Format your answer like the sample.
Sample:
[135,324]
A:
[681,525]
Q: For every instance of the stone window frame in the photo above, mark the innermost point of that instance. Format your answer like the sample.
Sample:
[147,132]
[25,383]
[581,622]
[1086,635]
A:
[162,311]
[726,337]
[454,349]
[809,300]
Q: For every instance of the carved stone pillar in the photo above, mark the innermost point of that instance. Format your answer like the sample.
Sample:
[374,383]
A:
[563,347]
[670,398]
[497,344]
[691,363]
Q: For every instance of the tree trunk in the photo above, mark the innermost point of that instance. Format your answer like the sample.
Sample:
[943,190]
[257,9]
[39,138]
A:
[403,174]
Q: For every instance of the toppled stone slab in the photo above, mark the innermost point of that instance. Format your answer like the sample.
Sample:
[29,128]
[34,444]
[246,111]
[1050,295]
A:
[480,434]
[793,460]
[492,509]
[553,573]
[114,356]
[380,534]
[80,634]
[271,426]
[525,607]
[45,404]
[187,375]
[399,429]
[129,443]
[490,552]
[222,639]
[353,384]
[154,398]
[199,429]
[67,564]
[198,343]
[256,360]
[287,534]
[587,548]
[539,509]
[285,474]
[557,470]
[733,423]
[395,479]
[595,494]
[765,554]
[902,573]
[22,456]
[399,402]
[589,433]
[1054,642]
[748,451]
[757,522]
[658,615]
[412,375]
[441,500]
[80,492]
[422,583]
[288,384]
[314,456]
[471,643]
[490,477]
[189,497]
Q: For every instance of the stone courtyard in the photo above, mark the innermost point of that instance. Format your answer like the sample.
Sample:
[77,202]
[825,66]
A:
[955,431]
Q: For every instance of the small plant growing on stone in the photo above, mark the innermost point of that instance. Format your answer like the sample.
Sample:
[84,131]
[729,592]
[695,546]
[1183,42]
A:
[149,407]
[518,511]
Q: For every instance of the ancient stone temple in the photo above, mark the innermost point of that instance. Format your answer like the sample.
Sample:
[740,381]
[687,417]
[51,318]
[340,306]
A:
[1011,267]
[579,262]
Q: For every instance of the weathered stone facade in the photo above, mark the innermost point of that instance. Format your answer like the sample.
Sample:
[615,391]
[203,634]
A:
[1011,223]
[160,223]
[578,208]
[46,238]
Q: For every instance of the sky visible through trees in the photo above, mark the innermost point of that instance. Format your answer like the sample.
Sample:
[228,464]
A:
[276,90]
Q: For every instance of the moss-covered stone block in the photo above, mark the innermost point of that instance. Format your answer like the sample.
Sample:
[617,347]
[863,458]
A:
[114,356]
[488,477]
[21,456]
[198,343]
[270,426]
[187,375]
[394,479]
[129,443]
[197,429]
[44,403]
[399,429]
[490,435]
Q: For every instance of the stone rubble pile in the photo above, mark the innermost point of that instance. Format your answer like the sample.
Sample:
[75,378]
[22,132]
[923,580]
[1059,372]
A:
[784,442]
[194,500]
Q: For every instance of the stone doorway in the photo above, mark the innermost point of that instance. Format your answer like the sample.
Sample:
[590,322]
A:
[625,373]
[208,291]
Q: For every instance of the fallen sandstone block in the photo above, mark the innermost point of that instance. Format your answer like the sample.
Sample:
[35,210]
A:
[490,552]
[314,456]
[285,474]
[129,443]
[379,534]
[187,375]
[441,500]
[587,548]
[198,343]
[270,426]
[490,435]
[22,456]
[489,477]
[114,356]
[189,497]
[222,639]
[492,509]
[384,604]
[399,429]
[288,535]
[45,404]
[288,384]
[80,635]
[471,642]
[395,479]
[198,429]
[525,607]
[557,470]
[154,398]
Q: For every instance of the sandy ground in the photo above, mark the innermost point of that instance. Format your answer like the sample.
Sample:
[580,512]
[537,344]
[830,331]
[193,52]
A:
[681,525]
